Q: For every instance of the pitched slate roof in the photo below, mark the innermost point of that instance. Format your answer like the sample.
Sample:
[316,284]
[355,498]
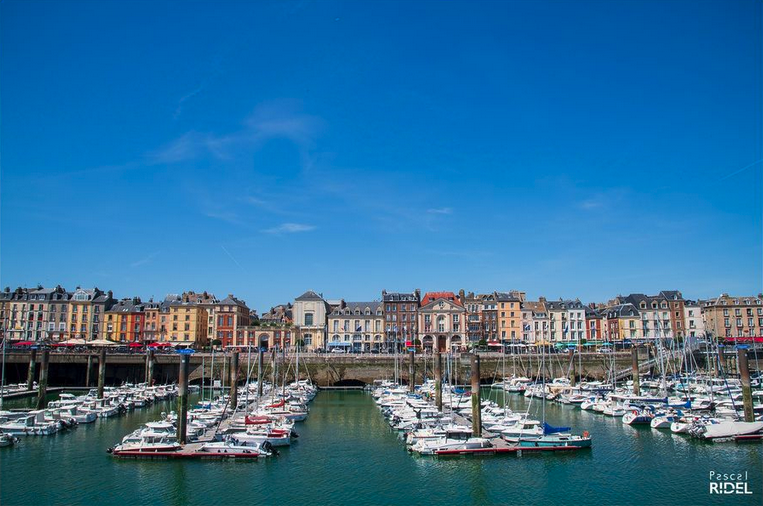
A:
[623,311]
[361,306]
[309,295]
[564,304]
[535,307]
[230,300]
[399,297]
[507,297]
[672,294]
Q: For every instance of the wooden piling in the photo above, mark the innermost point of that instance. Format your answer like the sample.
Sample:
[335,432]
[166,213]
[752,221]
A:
[183,399]
[571,354]
[89,370]
[744,376]
[42,385]
[412,372]
[476,401]
[101,372]
[438,379]
[151,359]
[31,370]
[634,367]
[234,380]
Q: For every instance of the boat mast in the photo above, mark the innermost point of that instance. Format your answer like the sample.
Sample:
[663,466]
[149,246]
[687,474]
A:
[513,359]
[273,382]
[2,383]
[503,385]
[543,383]
[211,378]
[248,370]
[296,365]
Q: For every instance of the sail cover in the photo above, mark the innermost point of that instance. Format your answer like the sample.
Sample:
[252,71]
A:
[548,429]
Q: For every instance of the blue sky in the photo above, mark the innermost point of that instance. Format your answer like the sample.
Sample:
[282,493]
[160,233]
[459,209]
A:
[568,149]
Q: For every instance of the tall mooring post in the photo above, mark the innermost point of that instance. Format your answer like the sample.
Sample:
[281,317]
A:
[476,401]
[42,386]
[260,367]
[571,354]
[438,379]
[634,366]
[234,380]
[151,358]
[183,398]
[101,372]
[30,371]
[744,376]
[412,371]
[89,369]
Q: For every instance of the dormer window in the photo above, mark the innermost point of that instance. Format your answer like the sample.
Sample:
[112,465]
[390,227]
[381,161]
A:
[643,305]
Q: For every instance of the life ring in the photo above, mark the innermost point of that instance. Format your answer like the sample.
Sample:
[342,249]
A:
[586,433]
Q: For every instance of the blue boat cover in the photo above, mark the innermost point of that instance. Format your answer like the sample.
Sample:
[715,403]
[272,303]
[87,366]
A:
[548,429]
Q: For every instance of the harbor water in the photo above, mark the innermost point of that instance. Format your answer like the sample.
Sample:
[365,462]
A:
[347,455]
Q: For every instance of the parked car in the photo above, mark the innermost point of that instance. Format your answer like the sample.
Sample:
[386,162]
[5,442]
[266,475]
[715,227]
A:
[337,350]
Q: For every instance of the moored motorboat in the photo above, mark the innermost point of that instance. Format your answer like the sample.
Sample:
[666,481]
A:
[230,448]
[726,430]
[7,440]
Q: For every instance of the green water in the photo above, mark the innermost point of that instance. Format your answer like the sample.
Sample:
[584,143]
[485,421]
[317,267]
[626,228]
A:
[346,455]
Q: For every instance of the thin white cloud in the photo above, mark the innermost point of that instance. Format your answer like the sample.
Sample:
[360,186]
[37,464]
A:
[145,260]
[186,147]
[591,204]
[224,216]
[289,228]
[273,120]
[231,257]
[740,170]
[441,210]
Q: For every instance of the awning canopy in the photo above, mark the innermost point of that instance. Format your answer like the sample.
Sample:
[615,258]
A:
[159,345]
[135,345]
[63,345]
[102,342]
[74,342]
[24,343]
[340,343]
[744,339]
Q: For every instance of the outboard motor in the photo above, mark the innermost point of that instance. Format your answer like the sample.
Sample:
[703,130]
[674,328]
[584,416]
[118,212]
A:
[266,446]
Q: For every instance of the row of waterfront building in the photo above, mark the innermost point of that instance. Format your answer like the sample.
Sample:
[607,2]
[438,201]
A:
[446,320]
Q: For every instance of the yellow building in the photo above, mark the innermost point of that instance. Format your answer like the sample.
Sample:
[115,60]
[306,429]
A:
[623,323]
[509,309]
[187,324]
[734,316]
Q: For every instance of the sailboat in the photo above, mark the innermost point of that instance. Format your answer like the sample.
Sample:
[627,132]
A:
[553,437]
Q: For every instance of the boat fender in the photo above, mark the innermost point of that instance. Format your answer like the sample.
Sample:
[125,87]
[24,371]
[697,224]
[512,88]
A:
[586,433]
